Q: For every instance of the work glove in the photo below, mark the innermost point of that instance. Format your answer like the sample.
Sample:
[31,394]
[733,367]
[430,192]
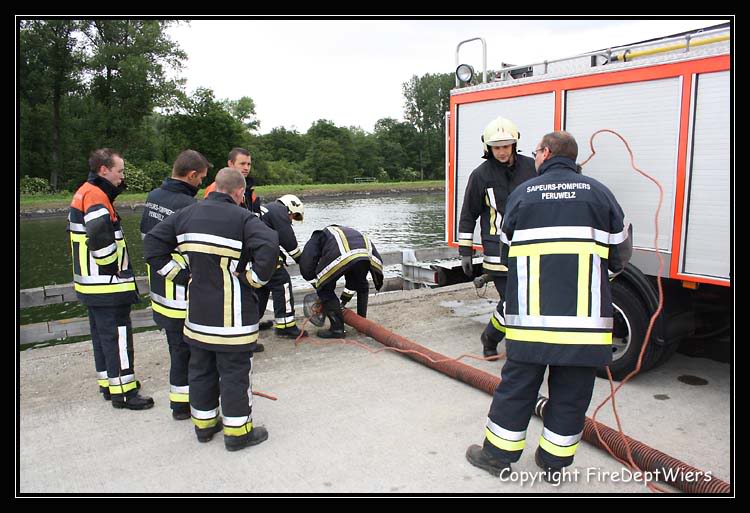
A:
[467,265]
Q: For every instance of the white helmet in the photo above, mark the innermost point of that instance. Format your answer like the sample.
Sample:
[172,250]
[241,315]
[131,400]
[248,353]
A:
[500,132]
[294,206]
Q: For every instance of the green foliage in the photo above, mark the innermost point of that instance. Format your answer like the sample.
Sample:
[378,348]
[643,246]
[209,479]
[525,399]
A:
[136,179]
[34,185]
[285,172]
[157,171]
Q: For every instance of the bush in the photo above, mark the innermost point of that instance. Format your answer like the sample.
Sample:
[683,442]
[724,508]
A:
[35,185]
[157,171]
[136,179]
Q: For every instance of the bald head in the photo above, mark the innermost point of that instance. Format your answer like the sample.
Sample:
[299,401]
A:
[229,180]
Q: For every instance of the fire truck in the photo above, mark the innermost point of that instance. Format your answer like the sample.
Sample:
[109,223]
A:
[671,99]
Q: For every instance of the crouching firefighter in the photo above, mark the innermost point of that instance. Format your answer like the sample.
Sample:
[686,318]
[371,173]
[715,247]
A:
[230,253]
[558,309]
[279,216]
[485,197]
[331,253]
[104,279]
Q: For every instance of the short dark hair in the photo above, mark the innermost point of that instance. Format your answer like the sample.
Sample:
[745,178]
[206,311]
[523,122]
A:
[561,144]
[229,179]
[102,157]
[189,160]
[237,151]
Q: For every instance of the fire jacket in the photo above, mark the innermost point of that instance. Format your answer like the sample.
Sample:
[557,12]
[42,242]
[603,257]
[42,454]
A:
[102,273]
[216,238]
[332,250]
[564,232]
[276,217]
[485,197]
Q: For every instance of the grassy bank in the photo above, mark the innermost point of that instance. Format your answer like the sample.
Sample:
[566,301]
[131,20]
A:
[61,200]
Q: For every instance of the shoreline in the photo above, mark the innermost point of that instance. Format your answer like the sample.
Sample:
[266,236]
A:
[51,212]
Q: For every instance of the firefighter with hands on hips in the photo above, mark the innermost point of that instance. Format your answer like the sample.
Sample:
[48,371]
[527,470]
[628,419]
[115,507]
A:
[564,233]
[485,197]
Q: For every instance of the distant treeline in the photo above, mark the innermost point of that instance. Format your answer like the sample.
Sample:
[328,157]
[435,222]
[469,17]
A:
[86,84]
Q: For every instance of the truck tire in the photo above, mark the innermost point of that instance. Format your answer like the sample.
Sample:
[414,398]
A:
[630,322]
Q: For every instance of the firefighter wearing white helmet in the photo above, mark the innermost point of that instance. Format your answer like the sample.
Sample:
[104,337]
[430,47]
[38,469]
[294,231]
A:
[279,216]
[489,186]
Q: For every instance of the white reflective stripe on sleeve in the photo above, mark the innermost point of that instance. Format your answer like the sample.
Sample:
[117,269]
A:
[562,441]
[522,273]
[558,321]
[504,238]
[216,330]
[122,380]
[337,237]
[263,210]
[167,268]
[101,375]
[99,253]
[596,285]
[617,238]
[295,252]
[171,303]
[95,215]
[492,259]
[204,414]
[498,215]
[288,300]
[499,317]
[179,390]
[119,235]
[122,344]
[513,436]
[256,279]
[349,292]
[211,239]
[75,227]
[101,279]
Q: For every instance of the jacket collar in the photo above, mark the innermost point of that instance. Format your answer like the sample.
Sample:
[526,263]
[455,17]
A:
[170,184]
[221,197]
[110,190]
[558,163]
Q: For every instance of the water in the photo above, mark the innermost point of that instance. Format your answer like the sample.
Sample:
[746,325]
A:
[391,222]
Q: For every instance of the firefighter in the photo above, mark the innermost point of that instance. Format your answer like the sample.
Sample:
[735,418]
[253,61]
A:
[279,216]
[485,197]
[104,279]
[240,158]
[331,253]
[168,299]
[565,232]
[230,254]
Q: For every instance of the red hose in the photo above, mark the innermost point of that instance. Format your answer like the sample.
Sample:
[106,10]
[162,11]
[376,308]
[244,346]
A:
[675,472]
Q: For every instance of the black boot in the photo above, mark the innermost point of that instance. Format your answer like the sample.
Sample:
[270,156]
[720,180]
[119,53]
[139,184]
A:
[332,310]
[236,443]
[292,332]
[478,457]
[489,348]
[207,434]
[134,402]
[362,298]
[265,325]
[552,475]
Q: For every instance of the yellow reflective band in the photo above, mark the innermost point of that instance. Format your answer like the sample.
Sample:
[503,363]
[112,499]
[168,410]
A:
[169,289]
[465,242]
[584,270]
[502,443]
[104,289]
[227,292]
[559,337]
[238,431]
[211,250]
[493,215]
[497,325]
[103,382]
[205,424]
[494,267]
[338,267]
[287,325]
[558,248]
[343,238]
[534,278]
[120,252]
[121,389]
[556,450]
[179,259]
[78,237]
[171,275]
[179,398]
[106,260]
[168,312]
[214,339]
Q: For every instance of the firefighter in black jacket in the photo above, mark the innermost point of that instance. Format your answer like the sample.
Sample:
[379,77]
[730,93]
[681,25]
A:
[104,279]
[486,194]
[331,253]
[565,232]
[230,253]
[168,299]
[278,216]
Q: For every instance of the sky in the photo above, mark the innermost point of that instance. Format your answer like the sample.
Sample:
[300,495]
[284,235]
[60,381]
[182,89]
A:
[351,71]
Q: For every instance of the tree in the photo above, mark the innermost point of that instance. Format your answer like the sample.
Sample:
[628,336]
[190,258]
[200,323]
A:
[243,110]
[326,162]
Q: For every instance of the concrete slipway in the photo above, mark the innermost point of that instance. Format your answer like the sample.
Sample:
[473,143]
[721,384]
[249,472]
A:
[346,421]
